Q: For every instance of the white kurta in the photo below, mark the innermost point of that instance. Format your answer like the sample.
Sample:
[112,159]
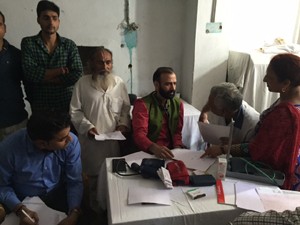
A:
[104,110]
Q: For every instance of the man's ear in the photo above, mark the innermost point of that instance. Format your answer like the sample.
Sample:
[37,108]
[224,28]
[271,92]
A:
[156,85]
[41,144]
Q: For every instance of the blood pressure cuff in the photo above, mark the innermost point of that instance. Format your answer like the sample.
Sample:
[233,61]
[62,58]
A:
[149,167]
[179,173]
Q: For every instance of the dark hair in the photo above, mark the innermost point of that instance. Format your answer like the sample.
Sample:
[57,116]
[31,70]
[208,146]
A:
[3,17]
[161,70]
[99,49]
[45,5]
[286,67]
[44,125]
[226,95]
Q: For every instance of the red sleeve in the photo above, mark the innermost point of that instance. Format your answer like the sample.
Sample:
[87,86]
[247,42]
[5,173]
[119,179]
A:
[140,118]
[177,139]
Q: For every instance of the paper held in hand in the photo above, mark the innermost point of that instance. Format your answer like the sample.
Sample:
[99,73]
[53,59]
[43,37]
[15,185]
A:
[117,135]
[212,133]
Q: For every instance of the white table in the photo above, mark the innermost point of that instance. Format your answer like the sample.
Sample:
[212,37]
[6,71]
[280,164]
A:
[247,71]
[183,210]
[191,136]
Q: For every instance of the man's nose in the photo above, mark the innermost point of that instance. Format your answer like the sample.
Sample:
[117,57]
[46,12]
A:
[265,78]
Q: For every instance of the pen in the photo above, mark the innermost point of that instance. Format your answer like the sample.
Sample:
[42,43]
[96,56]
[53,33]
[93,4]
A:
[29,217]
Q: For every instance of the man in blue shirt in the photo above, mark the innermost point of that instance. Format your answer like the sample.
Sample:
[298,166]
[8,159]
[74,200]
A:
[42,160]
[13,115]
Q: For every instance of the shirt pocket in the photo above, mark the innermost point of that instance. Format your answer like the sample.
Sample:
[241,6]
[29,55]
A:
[116,105]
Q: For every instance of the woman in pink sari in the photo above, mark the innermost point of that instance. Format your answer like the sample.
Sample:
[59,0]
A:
[277,134]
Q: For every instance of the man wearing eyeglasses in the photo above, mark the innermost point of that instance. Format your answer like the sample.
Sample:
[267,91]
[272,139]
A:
[99,105]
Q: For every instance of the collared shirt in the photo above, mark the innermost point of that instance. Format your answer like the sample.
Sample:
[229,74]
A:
[28,171]
[35,61]
[12,106]
[140,119]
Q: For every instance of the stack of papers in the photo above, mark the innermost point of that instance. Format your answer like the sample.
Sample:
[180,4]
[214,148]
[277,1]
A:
[117,135]
[46,215]
[263,198]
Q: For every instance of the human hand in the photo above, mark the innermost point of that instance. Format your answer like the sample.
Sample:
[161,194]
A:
[92,132]
[203,117]
[27,216]
[64,70]
[70,220]
[161,151]
[122,128]
[212,151]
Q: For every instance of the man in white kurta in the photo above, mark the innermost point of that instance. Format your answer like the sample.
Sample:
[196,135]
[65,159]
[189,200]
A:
[99,104]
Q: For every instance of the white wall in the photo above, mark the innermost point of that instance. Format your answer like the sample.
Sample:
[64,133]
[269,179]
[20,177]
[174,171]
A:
[95,23]
[211,51]
[256,22]
[172,33]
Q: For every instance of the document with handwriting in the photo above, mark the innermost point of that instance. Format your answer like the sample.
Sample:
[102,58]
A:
[47,216]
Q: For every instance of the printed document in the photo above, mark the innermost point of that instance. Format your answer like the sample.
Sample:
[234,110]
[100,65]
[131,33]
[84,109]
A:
[212,133]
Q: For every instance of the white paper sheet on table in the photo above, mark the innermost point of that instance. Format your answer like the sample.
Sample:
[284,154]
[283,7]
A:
[273,198]
[138,195]
[229,192]
[247,197]
[46,215]
[192,159]
[117,135]
[137,157]
[212,133]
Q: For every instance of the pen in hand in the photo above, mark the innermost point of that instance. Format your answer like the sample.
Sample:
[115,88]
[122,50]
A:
[29,217]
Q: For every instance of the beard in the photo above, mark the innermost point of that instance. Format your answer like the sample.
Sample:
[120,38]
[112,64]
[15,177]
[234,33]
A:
[167,94]
[101,81]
